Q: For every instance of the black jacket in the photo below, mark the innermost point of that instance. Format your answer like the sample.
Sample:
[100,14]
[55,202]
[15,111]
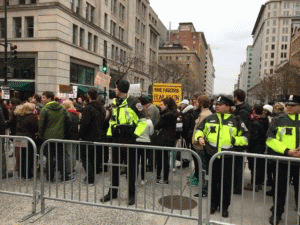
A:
[166,128]
[243,111]
[188,121]
[91,124]
[27,125]
[258,128]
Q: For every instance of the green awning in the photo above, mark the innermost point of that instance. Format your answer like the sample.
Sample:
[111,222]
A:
[84,90]
[20,85]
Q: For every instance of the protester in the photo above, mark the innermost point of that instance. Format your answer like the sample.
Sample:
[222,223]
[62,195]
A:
[258,126]
[54,123]
[124,127]
[165,136]
[144,139]
[283,140]
[4,117]
[73,133]
[242,111]
[91,129]
[26,125]
[214,132]
[188,121]
[279,109]
[203,105]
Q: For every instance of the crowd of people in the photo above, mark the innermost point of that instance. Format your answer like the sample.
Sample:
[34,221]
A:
[207,126]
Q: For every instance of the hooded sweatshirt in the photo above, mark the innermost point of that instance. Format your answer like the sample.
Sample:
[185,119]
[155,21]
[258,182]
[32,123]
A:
[54,121]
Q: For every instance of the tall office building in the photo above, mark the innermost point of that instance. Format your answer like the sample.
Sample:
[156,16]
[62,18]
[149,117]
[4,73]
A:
[271,37]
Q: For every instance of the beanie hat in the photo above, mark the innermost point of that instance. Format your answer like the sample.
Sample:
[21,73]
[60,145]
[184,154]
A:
[123,86]
[269,108]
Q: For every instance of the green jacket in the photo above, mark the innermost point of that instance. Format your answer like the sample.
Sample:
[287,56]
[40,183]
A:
[282,134]
[126,112]
[222,132]
[54,121]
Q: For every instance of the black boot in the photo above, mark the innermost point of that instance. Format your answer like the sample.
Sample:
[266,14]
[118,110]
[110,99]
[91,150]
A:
[271,219]
[225,212]
[131,200]
[112,194]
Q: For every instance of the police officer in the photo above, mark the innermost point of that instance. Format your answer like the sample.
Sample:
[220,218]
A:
[218,132]
[124,127]
[283,139]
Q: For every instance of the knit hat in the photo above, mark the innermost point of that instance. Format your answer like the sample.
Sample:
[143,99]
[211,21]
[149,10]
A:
[123,86]
[268,108]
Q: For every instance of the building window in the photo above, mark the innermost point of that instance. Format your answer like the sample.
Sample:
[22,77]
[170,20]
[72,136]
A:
[122,12]
[283,54]
[273,39]
[92,14]
[284,38]
[272,55]
[89,41]
[266,56]
[81,37]
[105,21]
[17,27]
[112,52]
[273,47]
[29,26]
[271,71]
[272,63]
[112,28]
[80,74]
[105,49]
[2,27]
[268,31]
[75,34]
[121,33]
[267,47]
[283,47]
[273,30]
[114,6]
[23,68]
[78,7]
[267,39]
[95,43]
[22,2]
[274,22]
[266,63]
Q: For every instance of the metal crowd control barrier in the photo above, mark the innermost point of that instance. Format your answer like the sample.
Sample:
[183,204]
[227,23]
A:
[89,179]
[253,205]
[19,173]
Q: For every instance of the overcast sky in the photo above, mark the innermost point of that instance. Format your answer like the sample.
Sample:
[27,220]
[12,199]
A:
[227,26]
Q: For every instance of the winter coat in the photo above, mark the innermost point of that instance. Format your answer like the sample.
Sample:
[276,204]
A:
[73,133]
[54,121]
[204,113]
[243,111]
[92,122]
[27,125]
[166,129]
[188,123]
[258,127]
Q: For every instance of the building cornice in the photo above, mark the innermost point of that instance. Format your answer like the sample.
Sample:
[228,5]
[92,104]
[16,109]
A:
[261,12]
[57,5]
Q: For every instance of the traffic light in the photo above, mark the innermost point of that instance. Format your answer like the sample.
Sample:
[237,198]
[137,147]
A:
[13,51]
[104,66]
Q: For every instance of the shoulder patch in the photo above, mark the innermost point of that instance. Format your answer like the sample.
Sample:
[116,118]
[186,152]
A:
[139,107]
[243,125]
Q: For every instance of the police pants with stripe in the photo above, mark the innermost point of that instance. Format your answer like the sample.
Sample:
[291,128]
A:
[217,191]
[282,186]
